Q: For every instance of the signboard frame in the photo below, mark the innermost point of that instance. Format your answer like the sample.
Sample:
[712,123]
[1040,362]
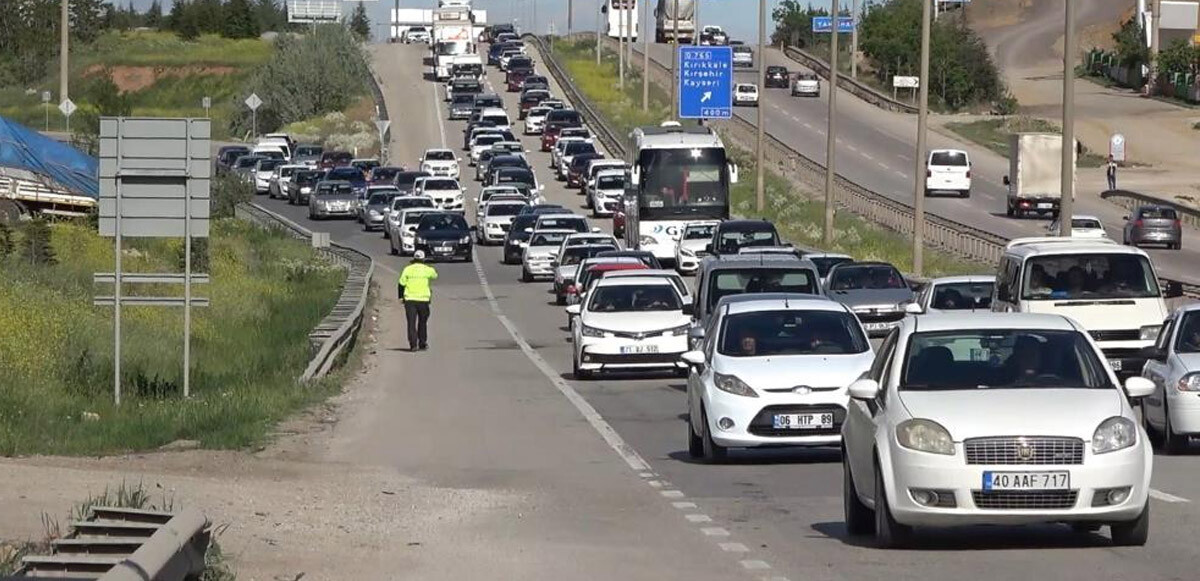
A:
[705,82]
[824,24]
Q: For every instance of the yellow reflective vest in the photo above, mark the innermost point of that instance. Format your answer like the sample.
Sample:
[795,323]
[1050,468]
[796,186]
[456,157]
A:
[417,278]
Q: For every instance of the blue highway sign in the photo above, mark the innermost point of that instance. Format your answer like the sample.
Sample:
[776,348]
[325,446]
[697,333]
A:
[705,82]
[825,24]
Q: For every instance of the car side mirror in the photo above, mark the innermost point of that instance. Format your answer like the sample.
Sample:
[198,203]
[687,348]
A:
[573,309]
[696,334]
[864,389]
[913,308]
[554,263]
[1174,290]
[595,229]
[709,248]
[689,309]
[1137,387]
[1153,352]
[1007,181]
[694,358]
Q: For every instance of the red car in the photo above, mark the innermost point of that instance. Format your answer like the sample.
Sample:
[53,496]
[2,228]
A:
[578,165]
[556,121]
[516,79]
[619,224]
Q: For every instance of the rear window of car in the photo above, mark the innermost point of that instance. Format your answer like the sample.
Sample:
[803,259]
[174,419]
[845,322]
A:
[504,209]
[566,223]
[952,158]
[441,184]
[345,173]
[440,155]
[563,117]
[1159,213]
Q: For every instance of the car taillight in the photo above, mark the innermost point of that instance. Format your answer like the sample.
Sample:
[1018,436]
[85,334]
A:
[1178,223]
[1137,223]
[968,174]
[928,172]
[571,289]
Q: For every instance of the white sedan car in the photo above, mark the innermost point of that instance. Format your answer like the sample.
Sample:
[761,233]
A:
[630,324]
[406,227]
[440,163]
[691,247]
[446,193]
[775,372]
[994,419]
[954,293]
[745,94]
[537,261]
[1172,414]
[535,119]
[497,218]
[1081,227]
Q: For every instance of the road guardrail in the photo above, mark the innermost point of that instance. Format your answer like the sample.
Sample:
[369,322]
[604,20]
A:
[339,329]
[126,544]
[611,141]
[856,87]
[944,234]
[1129,200]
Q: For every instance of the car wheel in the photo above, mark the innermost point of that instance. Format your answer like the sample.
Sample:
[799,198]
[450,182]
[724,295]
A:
[1172,443]
[560,299]
[964,194]
[577,372]
[714,453]
[860,520]
[525,276]
[888,533]
[1134,533]
[1008,211]
[695,442]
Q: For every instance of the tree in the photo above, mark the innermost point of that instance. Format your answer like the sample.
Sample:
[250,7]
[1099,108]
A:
[87,20]
[36,245]
[175,17]
[1130,42]
[360,25]
[6,242]
[1180,57]
[154,15]
[240,21]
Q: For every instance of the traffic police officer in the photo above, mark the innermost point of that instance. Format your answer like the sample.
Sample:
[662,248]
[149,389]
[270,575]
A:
[416,292]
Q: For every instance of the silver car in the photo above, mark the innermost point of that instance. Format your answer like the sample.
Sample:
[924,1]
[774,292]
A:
[332,199]
[1151,224]
[374,212]
[875,291]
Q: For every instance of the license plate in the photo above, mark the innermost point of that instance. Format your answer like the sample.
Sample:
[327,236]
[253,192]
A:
[444,250]
[875,326]
[1045,206]
[1115,364]
[1026,480]
[803,421]
[636,349]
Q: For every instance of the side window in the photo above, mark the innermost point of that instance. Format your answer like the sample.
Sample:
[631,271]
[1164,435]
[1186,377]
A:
[882,356]
[1164,335]
[1004,280]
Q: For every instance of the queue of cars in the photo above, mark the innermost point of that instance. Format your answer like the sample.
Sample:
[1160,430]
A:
[985,399]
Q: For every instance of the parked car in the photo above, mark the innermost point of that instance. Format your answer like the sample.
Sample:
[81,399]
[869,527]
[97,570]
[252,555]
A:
[1153,224]
[776,77]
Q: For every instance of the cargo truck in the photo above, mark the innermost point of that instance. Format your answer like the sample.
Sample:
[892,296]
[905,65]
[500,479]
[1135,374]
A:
[1034,177]
[672,16]
[453,35]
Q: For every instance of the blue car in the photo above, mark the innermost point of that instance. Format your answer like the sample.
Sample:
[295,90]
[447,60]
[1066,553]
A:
[358,180]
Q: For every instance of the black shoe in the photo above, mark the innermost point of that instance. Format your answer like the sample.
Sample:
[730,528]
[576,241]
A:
[424,347]
[412,349]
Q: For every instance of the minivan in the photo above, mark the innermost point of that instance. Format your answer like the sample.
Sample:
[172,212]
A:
[948,170]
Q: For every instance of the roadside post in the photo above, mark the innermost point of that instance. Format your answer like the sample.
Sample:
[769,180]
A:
[46,107]
[382,125]
[155,181]
[67,107]
[824,24]
[918,258]
[254,102]
[207,104]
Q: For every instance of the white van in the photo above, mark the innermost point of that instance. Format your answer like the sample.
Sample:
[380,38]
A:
[948,170]
[1111,290]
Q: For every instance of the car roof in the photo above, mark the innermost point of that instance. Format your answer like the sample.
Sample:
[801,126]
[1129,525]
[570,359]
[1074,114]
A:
[632,281]
[1025,247]
[599,263]
[493,111]
[438,149]
[649,272]
[746,223]
[553,231]
[739,261]
[827,255]
[969,278]
[953,321]
[1084,217]
[750,302]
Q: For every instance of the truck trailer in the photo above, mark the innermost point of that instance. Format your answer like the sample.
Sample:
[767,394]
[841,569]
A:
[675,20]
[1034,177]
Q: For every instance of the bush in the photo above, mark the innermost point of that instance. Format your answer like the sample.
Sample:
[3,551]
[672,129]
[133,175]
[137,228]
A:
[228,191]
[35,243]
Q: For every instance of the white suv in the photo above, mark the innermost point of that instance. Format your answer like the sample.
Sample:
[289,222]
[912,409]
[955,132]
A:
[745,94]
[948,170]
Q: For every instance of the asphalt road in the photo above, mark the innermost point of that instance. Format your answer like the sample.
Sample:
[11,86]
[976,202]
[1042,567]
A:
[875,149]
[491,406]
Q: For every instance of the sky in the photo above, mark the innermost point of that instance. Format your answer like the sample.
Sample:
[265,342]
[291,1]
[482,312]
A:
[737,17]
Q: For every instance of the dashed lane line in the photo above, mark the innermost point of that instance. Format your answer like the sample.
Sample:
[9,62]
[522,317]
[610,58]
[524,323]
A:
[1165,497]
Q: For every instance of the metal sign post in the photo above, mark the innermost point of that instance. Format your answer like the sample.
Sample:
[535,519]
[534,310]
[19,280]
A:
[705,82]
[254,102]
[382,125]
[155,181]
[899,82]
[207,104]
[46,107]
[67,107]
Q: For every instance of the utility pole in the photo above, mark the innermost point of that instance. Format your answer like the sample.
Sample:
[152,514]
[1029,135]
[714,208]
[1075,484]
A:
[620,45]
[760,194]
[630,33]
[831,130]
[1155,29]
[646,60]
[1068,131]
[918,252]
[570,14]
[599,25]
[675,57]
[853,39]
[64,52]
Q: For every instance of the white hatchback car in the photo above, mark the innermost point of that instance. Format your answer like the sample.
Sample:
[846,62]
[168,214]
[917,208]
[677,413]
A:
[954,294]
[994,419]
[745,94]
[605,191]
[537,261]
[630,324]
[948,170]
[691,247]
[406,227]
[1172,415]
[440,163]
[535,119]
[773,370]
[1081,227]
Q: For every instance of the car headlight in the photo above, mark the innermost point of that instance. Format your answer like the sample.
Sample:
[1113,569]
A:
[1149,332]
[732,384]
[464,240]
[925,436]
[373,213]
[1115,433]
[587,331]
[687,252]
[420,240]
[646,240]
[680,330]
[1189,382]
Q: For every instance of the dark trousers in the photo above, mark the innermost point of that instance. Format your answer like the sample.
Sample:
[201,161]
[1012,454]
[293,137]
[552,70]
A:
[1112,181]
[417,313]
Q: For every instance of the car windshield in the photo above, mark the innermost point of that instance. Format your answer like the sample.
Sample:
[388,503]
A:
[440,184]
[487,139]
[1088,277]
[306,177]
[439,155]
[564,222]
[955,296]
[760,280]
[699,232]
[578,147]
[504,209]
[731,240]
[442,222]
[345,173]
[407,179]
[248,161]
[872,277]
[1188,338]
[384,173]
[635,298]
[378,199]
[826,263]
[411,202]
[548,239]
[269,164]
[956,158]
[517,175]
[577,254]
[481,102]
[564,118]
[308,151]
[614,183]
[463,100]
[1001,358]
[788,332]
[1155,213]
[413,217]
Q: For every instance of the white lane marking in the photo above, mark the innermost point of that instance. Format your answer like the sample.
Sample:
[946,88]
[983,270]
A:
[684,505]
[437,112]
[654,483]
[807,125]
[883,165]
[900,173]
[850,147]
[696,518]
[754,565]
[671,493]
[646,475]
[734,547]
[714,532]
[868,156]
[1163,496]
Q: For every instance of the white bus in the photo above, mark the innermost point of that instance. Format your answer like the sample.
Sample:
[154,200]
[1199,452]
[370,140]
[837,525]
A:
[677,175]
[622,17]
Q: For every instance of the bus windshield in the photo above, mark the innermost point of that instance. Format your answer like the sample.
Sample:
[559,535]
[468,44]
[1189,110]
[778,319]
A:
[684,181]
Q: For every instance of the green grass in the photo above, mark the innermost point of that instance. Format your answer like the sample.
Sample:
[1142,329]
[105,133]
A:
[248,347]
[798,219]
[993,134]
[165,49]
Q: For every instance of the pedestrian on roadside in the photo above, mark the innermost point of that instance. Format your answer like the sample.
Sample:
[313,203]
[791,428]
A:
[1111,172]
[415,289]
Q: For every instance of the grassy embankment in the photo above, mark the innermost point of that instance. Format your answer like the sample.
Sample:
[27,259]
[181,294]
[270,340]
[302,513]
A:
[248,347]
[993,134]
[799,219]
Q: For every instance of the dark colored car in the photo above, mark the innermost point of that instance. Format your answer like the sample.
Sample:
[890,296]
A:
[458,87]
[245,165]
[510,176]
[349,174]
[302,185]
[777,77]
[1151,224]
[461,106]
[444,235]
[520,62]
[577,166]
[406,179]
[471,125]
[487,101]
[502,161]
[228,154]
[374,211]
[536,82]
[515,78]
[332,159]
[365,165]
[531,98]
[555,122]
[513,249]
[497,49]
[733,235]
[384,175]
